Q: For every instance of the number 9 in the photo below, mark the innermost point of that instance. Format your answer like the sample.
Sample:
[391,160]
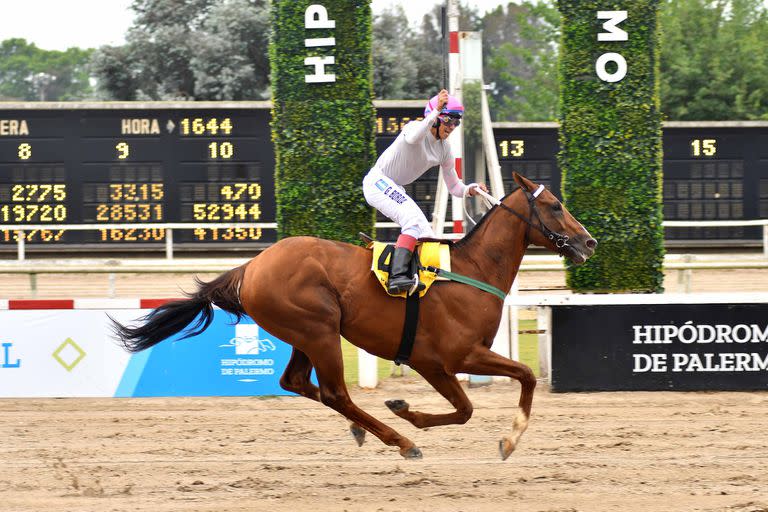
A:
[123,150]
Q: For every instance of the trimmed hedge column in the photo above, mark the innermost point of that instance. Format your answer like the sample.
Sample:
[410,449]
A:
[323,119]
[610,135]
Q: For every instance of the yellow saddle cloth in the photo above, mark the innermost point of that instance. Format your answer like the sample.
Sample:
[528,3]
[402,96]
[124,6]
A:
[434,254]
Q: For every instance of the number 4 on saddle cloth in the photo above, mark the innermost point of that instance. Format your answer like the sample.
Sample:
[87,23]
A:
[426,255]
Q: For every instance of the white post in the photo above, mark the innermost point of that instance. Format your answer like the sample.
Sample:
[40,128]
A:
[168,244]
[544,322]
[367,369]
[455,80]
[514,324]
[765,240]
[21,253]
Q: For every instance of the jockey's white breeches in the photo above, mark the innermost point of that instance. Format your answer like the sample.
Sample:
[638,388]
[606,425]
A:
[391,199]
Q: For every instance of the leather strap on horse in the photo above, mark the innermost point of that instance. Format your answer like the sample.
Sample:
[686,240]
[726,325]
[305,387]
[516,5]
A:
[409,329]
[467,280]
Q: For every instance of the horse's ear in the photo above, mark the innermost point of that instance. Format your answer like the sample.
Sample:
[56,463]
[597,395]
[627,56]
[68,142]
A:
[522,181]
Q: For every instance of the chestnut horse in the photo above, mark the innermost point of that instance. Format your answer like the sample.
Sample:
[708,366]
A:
[309,292]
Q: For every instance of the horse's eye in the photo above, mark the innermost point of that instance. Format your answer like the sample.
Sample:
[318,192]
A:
[557,207]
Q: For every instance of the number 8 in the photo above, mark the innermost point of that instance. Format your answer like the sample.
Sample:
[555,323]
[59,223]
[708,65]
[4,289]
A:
[25,151]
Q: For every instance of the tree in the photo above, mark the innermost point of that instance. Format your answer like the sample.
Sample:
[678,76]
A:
[189,50]
[520,57]
[393,71]
[713,59]
[29,73]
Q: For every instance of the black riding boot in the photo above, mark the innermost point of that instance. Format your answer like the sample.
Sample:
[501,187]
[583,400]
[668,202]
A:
[399,280]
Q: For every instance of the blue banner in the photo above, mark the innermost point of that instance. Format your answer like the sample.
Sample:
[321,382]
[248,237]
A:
[227,359]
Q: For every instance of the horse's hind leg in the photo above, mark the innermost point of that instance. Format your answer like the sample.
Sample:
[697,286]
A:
[449,387]
[333,392]
[297,379]
[483,361]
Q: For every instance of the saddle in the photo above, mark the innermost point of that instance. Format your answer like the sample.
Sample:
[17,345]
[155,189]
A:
[427,254]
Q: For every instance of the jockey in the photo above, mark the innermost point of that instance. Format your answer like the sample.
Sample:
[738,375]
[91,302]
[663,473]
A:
[420,146]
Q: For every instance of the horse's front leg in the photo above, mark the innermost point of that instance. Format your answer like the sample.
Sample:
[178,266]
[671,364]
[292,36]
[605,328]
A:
[448,386]
[482,361]
[297,379]
[327,359]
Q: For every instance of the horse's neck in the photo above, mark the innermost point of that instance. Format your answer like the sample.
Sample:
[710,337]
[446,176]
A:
[495,251]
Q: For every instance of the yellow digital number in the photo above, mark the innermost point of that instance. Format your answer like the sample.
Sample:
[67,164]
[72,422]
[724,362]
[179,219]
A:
[228,234]
[512,148]
[200,126]
[704,147]
[392,126]
[136,191]
[123,150]
[38,193]
[25,151]
[132,235]
[226,211]
[128,212]
[33,213]
[236,191]
[221,150]
[42,235]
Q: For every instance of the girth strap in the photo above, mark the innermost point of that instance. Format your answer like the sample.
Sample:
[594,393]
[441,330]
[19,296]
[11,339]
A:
[409,329]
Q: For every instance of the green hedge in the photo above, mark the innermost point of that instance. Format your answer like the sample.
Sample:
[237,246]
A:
[611,157]
[323,133]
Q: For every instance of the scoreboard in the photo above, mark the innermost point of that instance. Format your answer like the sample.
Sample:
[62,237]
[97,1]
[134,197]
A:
[130,163]
[212,163]
[712,171]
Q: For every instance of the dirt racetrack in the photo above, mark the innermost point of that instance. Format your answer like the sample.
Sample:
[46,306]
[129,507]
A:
[628,451]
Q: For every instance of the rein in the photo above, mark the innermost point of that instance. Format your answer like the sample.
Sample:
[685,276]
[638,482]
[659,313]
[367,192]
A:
[560,241]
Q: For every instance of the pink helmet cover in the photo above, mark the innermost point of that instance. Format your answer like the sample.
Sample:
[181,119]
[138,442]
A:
[453,107]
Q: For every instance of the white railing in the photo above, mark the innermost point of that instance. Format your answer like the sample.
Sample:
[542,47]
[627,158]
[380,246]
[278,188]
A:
[22,229]
[722,223]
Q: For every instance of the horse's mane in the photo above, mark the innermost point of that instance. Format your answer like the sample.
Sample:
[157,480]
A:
[468,237]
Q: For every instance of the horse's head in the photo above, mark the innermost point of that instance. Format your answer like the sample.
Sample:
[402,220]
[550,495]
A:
[551,225]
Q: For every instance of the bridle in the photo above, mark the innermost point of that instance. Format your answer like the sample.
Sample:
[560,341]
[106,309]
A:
[560,241]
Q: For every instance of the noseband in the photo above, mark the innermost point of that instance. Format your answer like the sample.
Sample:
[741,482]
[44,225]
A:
[560,241]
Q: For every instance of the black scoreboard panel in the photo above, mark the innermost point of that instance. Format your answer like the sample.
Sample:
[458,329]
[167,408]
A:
[136,165]
[205,163]
[530,150]
[712,171]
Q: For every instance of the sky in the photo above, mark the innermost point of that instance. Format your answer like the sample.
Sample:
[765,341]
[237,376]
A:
[60,24]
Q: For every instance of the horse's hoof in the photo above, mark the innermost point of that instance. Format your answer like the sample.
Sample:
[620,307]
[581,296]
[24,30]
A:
[358,433]
[412,453]
[396,405]
[505,448]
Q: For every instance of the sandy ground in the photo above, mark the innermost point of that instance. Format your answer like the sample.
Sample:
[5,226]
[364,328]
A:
[628,451]
[650,451]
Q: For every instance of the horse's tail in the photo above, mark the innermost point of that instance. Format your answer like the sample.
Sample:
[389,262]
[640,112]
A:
[170,318]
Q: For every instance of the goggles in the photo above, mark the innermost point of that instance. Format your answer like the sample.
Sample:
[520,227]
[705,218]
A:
[449,120]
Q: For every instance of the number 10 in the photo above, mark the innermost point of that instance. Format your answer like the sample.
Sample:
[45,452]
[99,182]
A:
[223,150]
